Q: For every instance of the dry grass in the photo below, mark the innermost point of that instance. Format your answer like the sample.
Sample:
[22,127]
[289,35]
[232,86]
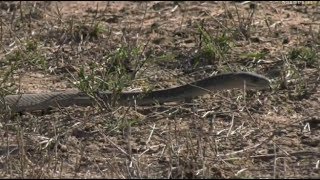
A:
[128,45]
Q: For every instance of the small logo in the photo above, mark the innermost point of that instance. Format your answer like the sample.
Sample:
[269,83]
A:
[299,3]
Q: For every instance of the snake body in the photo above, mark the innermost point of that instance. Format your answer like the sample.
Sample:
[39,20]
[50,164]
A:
[31,102]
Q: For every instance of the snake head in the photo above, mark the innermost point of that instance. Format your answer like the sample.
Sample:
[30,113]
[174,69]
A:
[254,81]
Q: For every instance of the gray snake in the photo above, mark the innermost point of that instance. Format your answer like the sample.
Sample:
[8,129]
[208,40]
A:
[42,101]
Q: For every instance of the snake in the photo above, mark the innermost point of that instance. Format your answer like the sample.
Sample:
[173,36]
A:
[224,81]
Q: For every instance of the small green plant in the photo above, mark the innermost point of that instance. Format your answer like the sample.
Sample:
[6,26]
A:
[292,79]
[27,56]
[125,123]
[97,30]
[166,58]
[253,55]
[31,46]
[112,74]
[304,56]
[212,48]
[80,32]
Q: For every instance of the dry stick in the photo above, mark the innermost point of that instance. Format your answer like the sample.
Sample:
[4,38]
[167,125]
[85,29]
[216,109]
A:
[255,146]
[245,102]
[119,148]
[306,153]
[275,160]
[151,133]
[231,126]
[169,144]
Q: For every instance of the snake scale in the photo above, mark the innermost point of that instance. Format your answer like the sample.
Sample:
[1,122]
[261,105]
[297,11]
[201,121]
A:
[42,101]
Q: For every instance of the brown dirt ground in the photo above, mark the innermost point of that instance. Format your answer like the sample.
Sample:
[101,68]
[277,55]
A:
[269,134]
